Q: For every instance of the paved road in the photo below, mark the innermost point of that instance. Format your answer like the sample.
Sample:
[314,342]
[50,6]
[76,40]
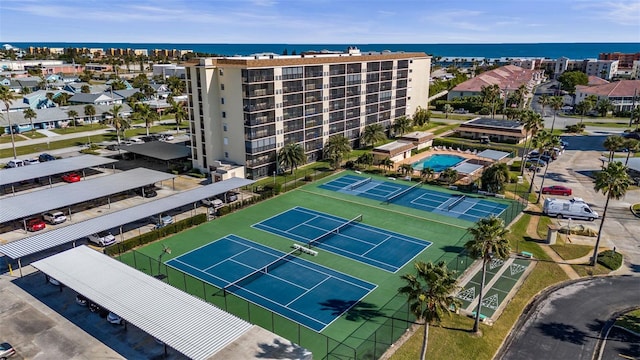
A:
[567,323]
[621,345]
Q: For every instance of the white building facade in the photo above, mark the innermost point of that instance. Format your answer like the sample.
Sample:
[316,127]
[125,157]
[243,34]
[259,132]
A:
[244,109]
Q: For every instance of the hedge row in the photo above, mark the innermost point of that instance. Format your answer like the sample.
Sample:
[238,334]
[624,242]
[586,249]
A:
[154,235]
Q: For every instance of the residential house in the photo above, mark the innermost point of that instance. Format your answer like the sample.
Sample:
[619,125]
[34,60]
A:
[620,93]
[104,98]
[508,78]
[506,131]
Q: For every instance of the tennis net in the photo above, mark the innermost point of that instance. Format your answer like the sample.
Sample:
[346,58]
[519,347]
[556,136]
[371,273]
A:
[335,231]
[395,196]
[456,202]
[263,270]
[360,183]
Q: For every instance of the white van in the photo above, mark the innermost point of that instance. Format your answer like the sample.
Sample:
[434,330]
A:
[15,163]
[575,208]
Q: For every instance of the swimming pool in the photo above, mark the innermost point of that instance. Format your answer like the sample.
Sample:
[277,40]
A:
[438,162]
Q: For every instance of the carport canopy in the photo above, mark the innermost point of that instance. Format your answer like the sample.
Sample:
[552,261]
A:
[60,166]
[494,155]
[184,322]
[159,150]
[36,202]
[467,168]
[66,234]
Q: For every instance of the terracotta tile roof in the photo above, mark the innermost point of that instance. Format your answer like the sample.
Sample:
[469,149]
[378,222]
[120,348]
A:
[594,80]
[509,76]
[622,88]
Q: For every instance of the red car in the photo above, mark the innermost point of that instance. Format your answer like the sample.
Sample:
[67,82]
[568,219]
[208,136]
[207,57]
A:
[556,190]
[71,178]
[35,225]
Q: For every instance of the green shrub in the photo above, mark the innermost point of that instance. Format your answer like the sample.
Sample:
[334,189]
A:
[609,259]
[484,111]
[224,210]
[308,178]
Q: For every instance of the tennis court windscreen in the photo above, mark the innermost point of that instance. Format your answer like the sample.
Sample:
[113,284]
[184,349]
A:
[360,183]
[456,202]
[263,270]
[335,231]
[397,195]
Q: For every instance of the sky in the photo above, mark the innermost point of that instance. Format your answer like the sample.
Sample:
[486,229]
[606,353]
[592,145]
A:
[320,21]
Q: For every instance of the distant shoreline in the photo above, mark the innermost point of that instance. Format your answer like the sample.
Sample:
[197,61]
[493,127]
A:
[522,50]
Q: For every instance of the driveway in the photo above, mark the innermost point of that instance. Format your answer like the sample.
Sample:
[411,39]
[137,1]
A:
[567,323]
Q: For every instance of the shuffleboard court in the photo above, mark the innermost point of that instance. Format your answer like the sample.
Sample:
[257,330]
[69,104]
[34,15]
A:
[284,283]
[381,248]
[415,196]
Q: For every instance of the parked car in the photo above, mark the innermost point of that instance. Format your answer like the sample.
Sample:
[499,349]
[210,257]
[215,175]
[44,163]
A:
[15,163]
[166,137]
[103,238]
[71,177]
[113,147]
[6,350]
[136,140]
[557,190]
[35,224]
[161,221]
[81,300]
[213,202]
[147,192]
[54,217]
[114,319]
[46,157]
[31,161]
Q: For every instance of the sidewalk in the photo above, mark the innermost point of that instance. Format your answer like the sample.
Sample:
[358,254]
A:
[57,137]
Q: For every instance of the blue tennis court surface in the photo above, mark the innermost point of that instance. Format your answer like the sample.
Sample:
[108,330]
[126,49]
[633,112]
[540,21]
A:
[454,205]
[381,248]
[294,288]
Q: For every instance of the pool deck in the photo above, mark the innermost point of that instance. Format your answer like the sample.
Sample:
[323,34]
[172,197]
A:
[433,151]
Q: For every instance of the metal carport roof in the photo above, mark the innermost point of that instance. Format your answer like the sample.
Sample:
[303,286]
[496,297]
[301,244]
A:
[46,240]
[467,168]
[493,154]
[21,206]
[184,322]
[159,150]
[14,175]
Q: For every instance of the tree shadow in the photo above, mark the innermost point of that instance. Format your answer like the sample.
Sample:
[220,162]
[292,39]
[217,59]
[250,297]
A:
[353,310]
[282,350]
[624,343]
[530,239]
[452,249]
[635,268]
[563,332]
[596,325]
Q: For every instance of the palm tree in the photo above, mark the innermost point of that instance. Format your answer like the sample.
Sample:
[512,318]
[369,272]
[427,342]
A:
[387,163]
[494,177]
[117,121]
[421,116]
[90,112]
[336,148]
[62,99]
[402,125]
[365,159]
[406,169]
[427,174]
[547,142]
[430,293]
[613,181]
[490,96]
[488,243]
[632,145]
[85,89]
[521,94]
[447,109]
[176,85]
[532,123]
[583,107]
[613,143]
[177,108]
[73,115]
[543,101]
[556,103]
[7,96]
[373,134]
[290,156]
[143,112]
[604,106]
[450,176]
[30,114]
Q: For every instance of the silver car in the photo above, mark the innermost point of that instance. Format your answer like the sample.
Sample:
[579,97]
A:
[103,238]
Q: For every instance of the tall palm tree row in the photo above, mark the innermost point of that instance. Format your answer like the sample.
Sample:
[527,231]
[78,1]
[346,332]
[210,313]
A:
[291,156]
[7,96]
[431,294]
[373,134]
[488,243]
[336,148]
[613,181]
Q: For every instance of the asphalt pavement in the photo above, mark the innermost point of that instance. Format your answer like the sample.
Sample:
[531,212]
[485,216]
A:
[567,323]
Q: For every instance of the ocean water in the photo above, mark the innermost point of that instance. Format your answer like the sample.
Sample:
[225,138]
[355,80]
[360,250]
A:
[547,50]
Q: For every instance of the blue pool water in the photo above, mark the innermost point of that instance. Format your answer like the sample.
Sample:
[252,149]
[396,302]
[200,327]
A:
[438,162]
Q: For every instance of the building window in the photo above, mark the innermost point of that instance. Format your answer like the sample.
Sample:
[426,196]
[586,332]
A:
[221,72]
[224,126]
[222,100]
[221,86]
[226,141]
[226,154]
[224,114]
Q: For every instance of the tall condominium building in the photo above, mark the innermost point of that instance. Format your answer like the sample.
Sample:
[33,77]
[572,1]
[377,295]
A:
[244,109]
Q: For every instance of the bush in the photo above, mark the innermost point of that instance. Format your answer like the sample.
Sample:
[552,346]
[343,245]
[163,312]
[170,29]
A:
[484,111]
[308,178]
[223,211]
[609,259]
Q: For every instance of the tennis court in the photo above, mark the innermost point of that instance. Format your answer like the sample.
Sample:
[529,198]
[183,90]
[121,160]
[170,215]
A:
[496,290]
[416,196]
[282,282]
[381,248]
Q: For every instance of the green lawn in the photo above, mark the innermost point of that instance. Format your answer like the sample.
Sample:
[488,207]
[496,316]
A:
[615,125]
[630,320]
[81,128]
